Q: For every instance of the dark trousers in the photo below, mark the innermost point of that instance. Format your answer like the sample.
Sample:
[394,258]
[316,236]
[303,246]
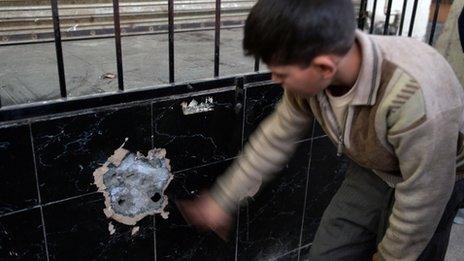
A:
[357,217]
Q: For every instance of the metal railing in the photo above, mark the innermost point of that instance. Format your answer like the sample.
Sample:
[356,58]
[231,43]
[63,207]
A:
[363,16]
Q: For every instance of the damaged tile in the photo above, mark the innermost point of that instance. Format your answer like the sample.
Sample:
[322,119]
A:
[133,185]
[18,189]
[197,139]
[194,107]
[69,149]
[78,229]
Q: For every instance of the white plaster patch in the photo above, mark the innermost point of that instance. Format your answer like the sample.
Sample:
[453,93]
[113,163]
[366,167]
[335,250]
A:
[133,185]
[194,107]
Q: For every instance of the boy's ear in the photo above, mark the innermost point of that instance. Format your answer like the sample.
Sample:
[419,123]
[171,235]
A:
[326,66]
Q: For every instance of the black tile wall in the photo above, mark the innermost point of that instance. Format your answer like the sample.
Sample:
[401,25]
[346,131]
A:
[175,239]
[18,188]
[260,102]
[77,229]
[69,149]
[21,236]
[327,172]
[198,139]
[271,223]
[200,146]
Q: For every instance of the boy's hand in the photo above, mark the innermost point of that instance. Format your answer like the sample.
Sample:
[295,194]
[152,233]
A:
[205,213]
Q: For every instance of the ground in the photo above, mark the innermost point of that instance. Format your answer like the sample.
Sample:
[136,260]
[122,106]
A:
[29,72]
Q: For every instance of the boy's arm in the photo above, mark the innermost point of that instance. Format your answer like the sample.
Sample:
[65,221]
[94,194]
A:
[425,145]
[267,151]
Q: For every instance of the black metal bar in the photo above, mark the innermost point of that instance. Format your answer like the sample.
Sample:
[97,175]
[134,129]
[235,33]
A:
[362,14]
[256,64]
[117,38]
[217,38]
[387,18]
[171,39]
[58,48]
[413,18]
[144,95]
[434,23]
[83,38]
[403,15]
[374,9]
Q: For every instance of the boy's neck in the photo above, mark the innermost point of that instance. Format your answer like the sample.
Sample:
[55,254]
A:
[348,71]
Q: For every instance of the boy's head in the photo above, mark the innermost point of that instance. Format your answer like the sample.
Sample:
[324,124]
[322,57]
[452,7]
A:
[300,40]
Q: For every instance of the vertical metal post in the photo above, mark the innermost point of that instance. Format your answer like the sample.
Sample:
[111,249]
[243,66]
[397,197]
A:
[403,15]
[256,64]
[434,23]
[171,39]
[117,37]
[387,17]
[362,14]
[374,9]
[58,47]
[217,38]
[413,18]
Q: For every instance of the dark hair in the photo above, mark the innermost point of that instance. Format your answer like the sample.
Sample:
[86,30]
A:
[283,32]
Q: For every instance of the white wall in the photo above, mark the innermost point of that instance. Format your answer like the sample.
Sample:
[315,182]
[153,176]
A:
[422,14]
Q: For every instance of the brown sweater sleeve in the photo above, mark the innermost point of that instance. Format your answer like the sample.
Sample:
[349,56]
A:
[267,151]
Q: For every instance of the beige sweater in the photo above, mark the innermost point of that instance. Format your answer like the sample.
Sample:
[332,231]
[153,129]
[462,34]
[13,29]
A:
[405,122]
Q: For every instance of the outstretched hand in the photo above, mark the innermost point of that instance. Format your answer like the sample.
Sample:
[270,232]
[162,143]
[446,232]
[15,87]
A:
[206,214]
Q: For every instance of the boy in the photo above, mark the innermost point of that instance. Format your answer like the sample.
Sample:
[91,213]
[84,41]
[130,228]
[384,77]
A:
[393,105]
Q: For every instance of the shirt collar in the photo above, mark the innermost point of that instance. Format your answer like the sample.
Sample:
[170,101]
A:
[368,81]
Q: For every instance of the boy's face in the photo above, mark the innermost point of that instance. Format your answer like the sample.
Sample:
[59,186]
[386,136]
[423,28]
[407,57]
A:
[303,81]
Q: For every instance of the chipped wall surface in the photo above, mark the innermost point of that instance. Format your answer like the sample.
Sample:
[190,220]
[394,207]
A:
[56,159]
[134,185]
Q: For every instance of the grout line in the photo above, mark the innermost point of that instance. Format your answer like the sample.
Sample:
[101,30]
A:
[152,131]
[18,211]
[248,221]
[237,229]
[306,191]
[70,198]
[47,204]
[154,237]
[44,230]
[205,165]
[296,249]
[244,117]
[152,139]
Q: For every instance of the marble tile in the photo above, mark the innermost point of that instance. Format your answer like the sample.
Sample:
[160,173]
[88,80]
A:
[327,172]
[198,139]
[21,236]
[69,149]
[260,103]
[18,188]
[77,229]
[270,224]
[175,239]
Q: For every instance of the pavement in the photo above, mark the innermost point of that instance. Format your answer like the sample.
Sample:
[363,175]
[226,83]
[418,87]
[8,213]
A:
[28,73]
